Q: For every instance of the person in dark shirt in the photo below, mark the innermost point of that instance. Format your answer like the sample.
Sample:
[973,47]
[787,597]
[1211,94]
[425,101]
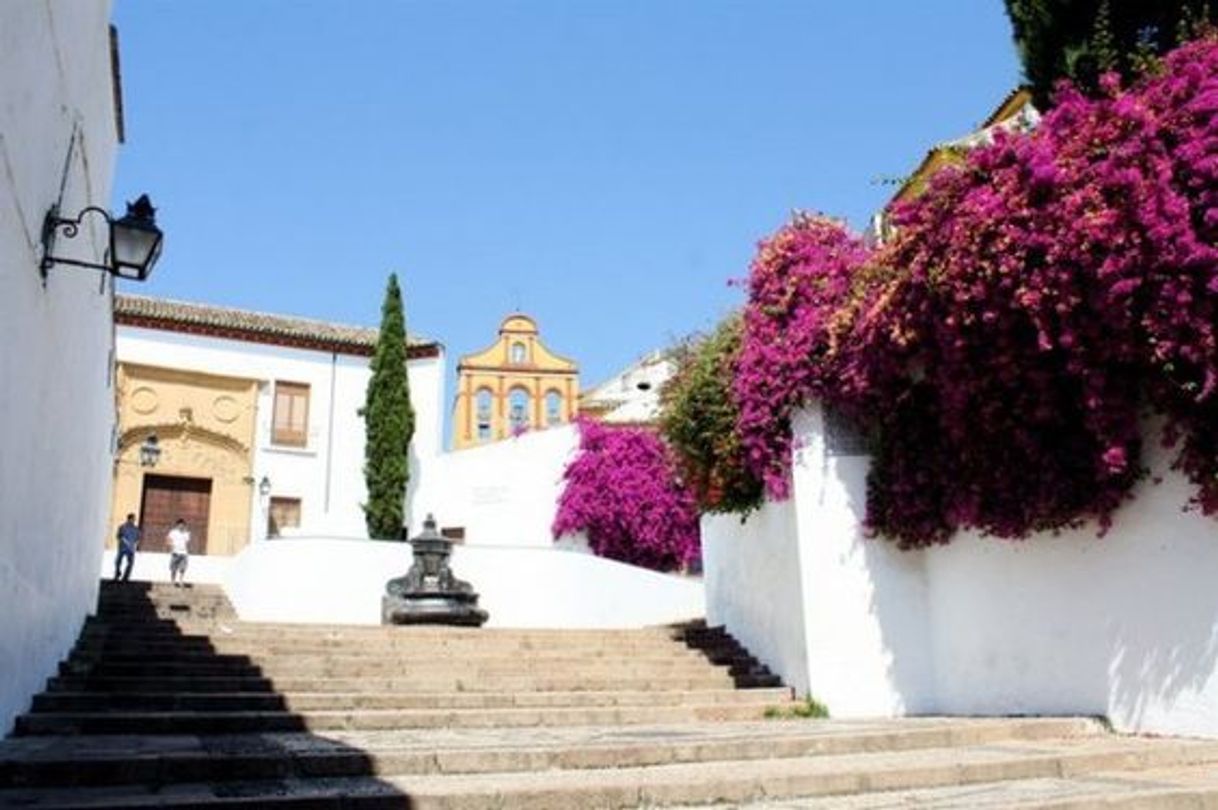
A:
[128,541]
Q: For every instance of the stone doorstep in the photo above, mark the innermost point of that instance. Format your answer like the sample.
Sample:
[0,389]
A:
[255,721]
[701,782]
[98,761]
[303,701]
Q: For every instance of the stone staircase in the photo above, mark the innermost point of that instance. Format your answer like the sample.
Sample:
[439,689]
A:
[168,700]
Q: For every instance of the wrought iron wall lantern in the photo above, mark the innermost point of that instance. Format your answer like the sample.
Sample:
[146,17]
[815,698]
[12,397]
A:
[264,486]
[150,451]
[133,247]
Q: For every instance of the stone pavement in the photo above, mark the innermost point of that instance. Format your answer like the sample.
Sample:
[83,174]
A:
[168,700]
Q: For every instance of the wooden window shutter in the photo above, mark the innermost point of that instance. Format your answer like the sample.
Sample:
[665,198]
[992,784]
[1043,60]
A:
[290,424]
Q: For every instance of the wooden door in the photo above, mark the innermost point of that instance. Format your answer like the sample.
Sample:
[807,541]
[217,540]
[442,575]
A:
[169,497]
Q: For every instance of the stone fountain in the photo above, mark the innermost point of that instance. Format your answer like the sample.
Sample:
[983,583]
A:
[429,593]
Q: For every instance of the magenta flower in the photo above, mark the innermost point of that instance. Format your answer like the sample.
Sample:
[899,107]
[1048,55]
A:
[622,490]
[1038,300]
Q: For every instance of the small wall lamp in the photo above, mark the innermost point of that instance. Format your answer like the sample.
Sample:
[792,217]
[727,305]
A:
[150,451]
[133,248]
[264,486]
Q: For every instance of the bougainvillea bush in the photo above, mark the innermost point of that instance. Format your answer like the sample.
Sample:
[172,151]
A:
[798,284]
[622,490]
[1036,304]
[698,420]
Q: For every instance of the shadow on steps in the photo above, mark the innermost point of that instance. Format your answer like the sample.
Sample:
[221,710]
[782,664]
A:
[145,712]
[722,649]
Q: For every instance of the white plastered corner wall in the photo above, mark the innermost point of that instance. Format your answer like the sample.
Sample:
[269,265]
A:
[1124,625]
[57,144]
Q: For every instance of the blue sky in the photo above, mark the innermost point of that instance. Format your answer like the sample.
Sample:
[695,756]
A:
[605,166]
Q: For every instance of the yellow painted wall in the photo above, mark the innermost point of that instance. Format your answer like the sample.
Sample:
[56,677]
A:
[497,371]
[205,425]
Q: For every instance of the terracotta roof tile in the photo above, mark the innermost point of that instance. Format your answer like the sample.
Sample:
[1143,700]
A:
[139,310]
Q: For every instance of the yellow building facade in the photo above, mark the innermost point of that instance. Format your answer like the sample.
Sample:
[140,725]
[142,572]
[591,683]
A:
[204,425]
[514,385]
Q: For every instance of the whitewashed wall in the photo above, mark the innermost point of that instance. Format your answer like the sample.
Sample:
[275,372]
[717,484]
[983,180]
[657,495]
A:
[865,608]
[327,474]
[342,581]
[57,144]
[503,493]
[1125,625]
[754,586]
[153,566]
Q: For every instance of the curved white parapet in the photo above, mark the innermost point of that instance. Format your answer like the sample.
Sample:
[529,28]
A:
[153,566]
[340,581]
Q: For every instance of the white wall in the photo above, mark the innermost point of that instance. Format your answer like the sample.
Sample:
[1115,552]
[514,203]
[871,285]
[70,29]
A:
[327,474]
[153,566]
[633,395]
[865,601]
[503,493]
[752,572]
[57,144]
[324,580]
[1125,625]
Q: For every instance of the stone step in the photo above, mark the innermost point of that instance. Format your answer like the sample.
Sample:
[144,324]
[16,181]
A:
[51,702]
[400,682]
[1184,788]
[237,634]
[485,658]
[235,642]
[368,632]
[720,781]
[379,668]
[240,722]
[117,641]
[110,760]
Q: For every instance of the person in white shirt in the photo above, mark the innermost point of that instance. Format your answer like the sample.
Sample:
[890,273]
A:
[179,552]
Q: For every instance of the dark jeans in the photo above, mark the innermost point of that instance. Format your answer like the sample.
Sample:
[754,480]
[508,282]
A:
[129,555]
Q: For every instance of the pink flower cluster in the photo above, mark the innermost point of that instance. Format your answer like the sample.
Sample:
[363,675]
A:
[797,285]
[622,490]
[1037,302]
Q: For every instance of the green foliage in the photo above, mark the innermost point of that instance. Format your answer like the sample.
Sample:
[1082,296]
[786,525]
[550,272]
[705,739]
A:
[1103,44]
[1082,39]
[809,707]
[389,423]
[699,422]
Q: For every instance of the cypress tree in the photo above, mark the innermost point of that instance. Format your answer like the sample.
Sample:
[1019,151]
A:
[388,422]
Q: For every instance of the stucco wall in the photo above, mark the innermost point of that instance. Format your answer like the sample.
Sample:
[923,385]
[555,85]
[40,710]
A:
[341,581]
[327,474]
[865,602]
[1124,625]
[57,143]
[754,587]
[504,493]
